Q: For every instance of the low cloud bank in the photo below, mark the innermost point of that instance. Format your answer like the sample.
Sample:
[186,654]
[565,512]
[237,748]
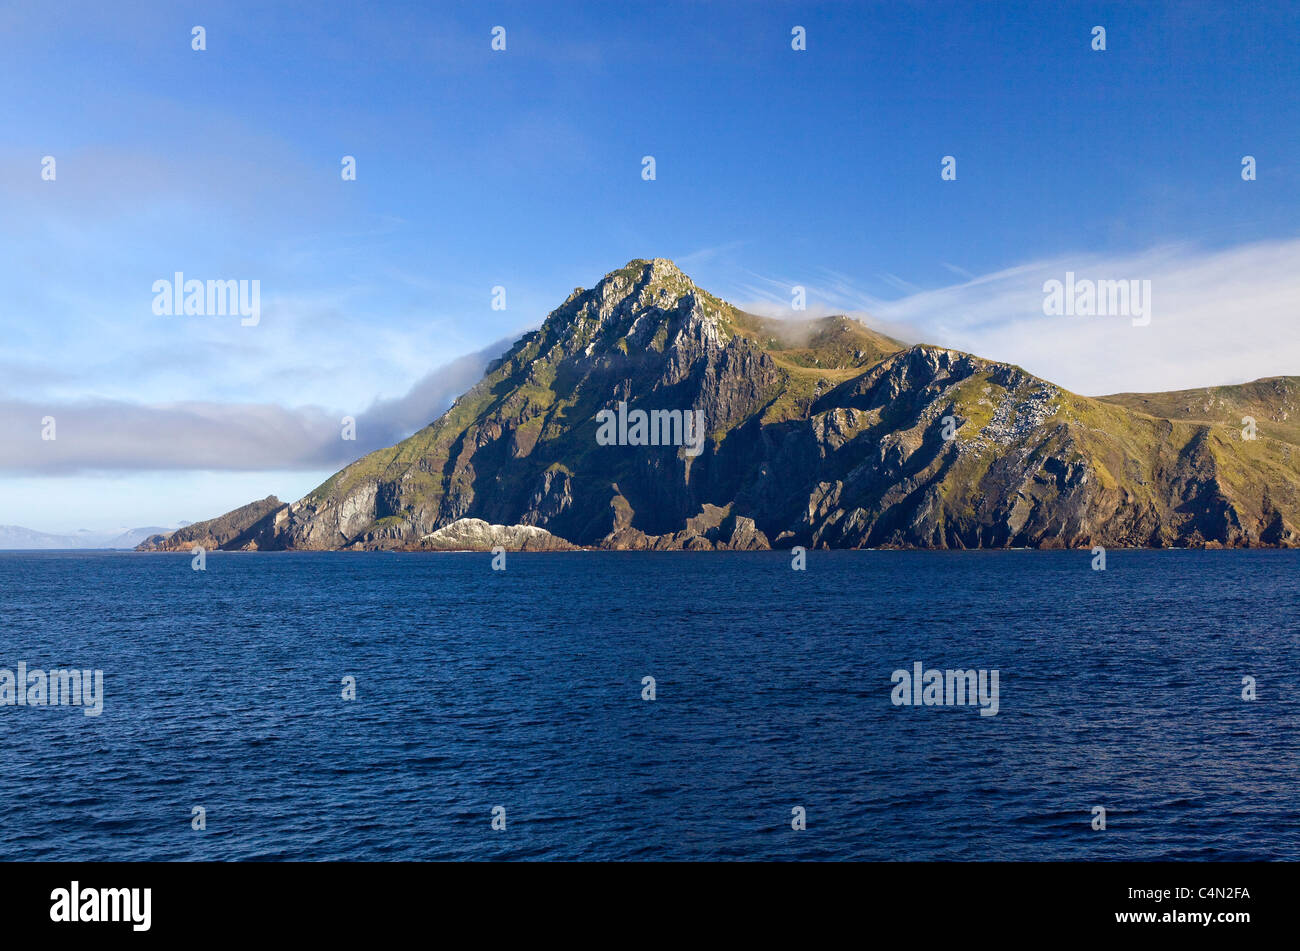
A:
[102,435]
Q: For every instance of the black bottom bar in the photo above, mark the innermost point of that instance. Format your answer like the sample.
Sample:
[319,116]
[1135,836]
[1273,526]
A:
[943,902]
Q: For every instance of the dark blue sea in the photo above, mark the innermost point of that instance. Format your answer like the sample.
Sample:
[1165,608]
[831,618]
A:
[523,689]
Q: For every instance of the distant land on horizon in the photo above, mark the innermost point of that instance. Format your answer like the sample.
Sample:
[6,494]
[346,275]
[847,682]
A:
[17,538]
[821,433]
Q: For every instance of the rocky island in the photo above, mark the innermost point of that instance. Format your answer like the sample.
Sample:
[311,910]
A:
[821,433]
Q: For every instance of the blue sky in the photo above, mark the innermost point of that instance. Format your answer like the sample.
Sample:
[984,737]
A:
[522,168]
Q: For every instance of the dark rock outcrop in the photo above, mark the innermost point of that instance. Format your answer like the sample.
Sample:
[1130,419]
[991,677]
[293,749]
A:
[250,527]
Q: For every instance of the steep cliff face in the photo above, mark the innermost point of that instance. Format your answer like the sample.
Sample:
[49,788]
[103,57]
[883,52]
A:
[1027,464]
[820,433]
[250,527]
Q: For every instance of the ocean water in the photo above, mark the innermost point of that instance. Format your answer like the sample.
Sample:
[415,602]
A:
[522,689]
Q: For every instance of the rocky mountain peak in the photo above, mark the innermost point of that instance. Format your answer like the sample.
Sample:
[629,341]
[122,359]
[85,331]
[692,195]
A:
[652,270]
[642,284]
[646,304]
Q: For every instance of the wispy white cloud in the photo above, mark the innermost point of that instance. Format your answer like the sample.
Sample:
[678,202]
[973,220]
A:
[1217,316]
[708,255]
